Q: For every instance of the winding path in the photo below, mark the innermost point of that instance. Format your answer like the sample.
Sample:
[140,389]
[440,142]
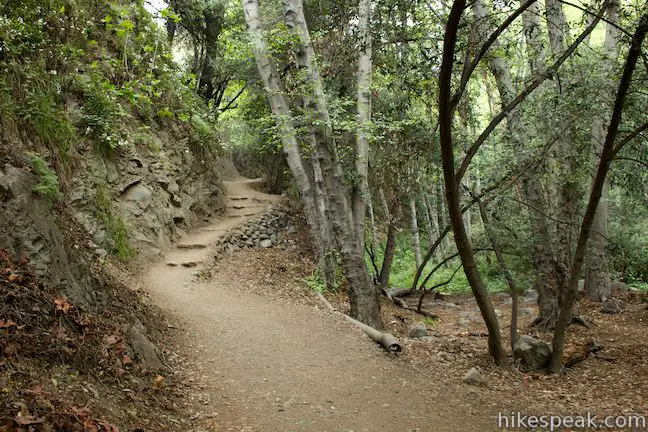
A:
[269,366]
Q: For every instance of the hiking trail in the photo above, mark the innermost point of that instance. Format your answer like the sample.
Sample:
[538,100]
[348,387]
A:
[269,366]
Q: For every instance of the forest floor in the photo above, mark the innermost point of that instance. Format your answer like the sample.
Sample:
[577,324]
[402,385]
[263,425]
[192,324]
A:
[250,348]
[253,349]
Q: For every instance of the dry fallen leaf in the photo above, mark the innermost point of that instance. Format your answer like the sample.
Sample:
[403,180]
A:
[27,419]
[157,383]
[62,305]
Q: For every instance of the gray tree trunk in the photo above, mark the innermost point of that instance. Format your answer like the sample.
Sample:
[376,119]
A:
[416,238]
[283,116]
[597,273]
[546,282]
[361,190]
[362,294]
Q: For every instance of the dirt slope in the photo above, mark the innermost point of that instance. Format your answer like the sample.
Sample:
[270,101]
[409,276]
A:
[270,365]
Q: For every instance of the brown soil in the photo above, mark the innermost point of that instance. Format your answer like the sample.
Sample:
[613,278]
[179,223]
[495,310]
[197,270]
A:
[252,349]
[269,357]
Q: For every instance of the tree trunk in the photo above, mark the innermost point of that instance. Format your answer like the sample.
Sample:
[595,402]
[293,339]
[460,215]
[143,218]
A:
[283,116]
[431,223]
[546,282]
[361,190]
[563,187]
[452,188]
[372,221]
[416,239]
[597,272]
[213,25]
[504,270]
[327,259]
[533,35]
[363,297]
[388,256]
[607,155]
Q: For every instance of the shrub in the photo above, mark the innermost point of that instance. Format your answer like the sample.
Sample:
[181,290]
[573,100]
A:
[49,185]
[116,228]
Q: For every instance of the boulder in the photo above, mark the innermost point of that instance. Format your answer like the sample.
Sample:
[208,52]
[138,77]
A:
[266,243]
[417,331]
[533,353]
[475,377]
[612,306]
[144,349]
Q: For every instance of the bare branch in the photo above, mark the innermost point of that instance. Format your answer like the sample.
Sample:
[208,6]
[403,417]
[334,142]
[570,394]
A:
[526,92]
[470,67]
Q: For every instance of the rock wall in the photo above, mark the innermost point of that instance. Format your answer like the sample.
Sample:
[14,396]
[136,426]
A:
[30,228]
[155,192]
[264,231]
[158,193]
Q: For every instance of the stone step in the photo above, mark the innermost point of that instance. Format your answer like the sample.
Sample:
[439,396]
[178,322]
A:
[191,246]
[238,198]
[187,264]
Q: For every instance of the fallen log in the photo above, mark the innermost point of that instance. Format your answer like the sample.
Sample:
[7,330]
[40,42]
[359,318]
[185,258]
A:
[387,341]
[402,303]
[402,292]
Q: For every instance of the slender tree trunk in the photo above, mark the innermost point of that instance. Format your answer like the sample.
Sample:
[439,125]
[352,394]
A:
[563,187]
[416,239]
[546,282]
[431,223]
[372,221]
[607,155]
[533,34]
[452,188]
[361,190]
[388,256]
[283,116]
[504,270]
[385,206]
[328,262]
[597,272]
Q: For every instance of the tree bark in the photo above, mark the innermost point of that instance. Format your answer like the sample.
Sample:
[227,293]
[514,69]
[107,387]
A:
[546,282]
[504,270]
[416,238]
[361,189]
[363,297]
[214,17]
[283,116]
[388,256]
[607,155]
[452,190]
[597,272]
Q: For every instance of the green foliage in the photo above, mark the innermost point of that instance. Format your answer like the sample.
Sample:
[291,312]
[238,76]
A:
[116,229]
[49,185]
[101,114]
[203,140]
[430,321]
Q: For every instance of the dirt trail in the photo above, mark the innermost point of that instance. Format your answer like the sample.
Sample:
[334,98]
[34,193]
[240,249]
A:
[268,366]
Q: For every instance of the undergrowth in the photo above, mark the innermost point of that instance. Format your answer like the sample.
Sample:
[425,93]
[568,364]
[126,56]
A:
[49,185]
[116,229]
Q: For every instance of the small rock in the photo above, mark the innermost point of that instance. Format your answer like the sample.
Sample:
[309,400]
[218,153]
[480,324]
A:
[265,243]
[533,353]
[475,377]
[445,356]
[526,312]
[498,313]
[417,331]
[612,306]
[581,285]
[447,305]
